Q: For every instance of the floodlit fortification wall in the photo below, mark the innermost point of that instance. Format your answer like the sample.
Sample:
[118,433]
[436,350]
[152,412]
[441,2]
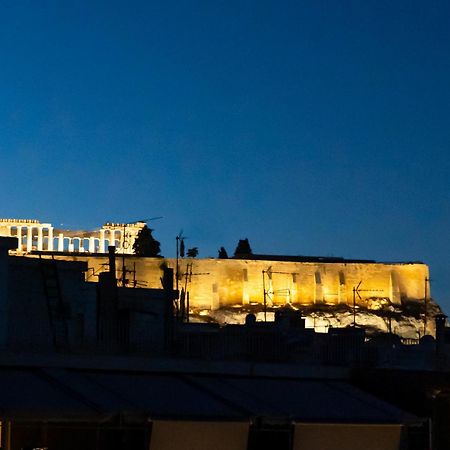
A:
[216,283]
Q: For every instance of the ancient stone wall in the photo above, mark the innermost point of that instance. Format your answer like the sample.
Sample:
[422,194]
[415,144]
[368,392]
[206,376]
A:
[216,283]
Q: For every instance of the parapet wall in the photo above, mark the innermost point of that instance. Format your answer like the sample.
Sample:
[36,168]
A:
[216,283]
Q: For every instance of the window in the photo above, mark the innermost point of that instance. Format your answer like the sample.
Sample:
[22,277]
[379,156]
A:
[265,435]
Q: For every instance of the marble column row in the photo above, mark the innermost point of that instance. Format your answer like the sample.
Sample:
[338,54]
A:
[29,237]
[26,233]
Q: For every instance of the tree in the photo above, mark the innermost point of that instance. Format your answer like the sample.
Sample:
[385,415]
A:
[243,248]
[223,253]
[145,244]
[192,252]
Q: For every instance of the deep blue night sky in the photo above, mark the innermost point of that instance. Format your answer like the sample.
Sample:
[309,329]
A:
[308,127]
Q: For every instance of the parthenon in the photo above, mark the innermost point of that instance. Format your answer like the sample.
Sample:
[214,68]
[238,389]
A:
[33,235]
[276,280]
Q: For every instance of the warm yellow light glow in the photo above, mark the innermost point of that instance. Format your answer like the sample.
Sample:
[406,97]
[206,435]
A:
[233,283]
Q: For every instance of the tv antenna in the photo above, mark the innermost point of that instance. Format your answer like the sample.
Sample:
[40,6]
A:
[267,293]
[183,309]
[356,291]
[180,253]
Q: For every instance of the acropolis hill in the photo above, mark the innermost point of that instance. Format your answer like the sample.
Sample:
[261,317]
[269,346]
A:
[225,289]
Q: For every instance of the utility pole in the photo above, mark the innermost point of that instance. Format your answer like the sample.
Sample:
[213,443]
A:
[179,252]
[265,293]
[425,319]
[355,291]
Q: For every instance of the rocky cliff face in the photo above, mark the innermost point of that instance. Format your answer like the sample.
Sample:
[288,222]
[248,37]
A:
[407,321]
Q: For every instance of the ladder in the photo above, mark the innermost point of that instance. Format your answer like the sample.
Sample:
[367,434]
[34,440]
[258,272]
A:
[55,305]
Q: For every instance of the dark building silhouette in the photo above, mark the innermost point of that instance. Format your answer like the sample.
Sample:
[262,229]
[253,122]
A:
[96,365]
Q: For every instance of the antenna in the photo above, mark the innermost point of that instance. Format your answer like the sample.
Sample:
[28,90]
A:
[184,297]
[356,291]
[269,272]
[179,251]
[425,319]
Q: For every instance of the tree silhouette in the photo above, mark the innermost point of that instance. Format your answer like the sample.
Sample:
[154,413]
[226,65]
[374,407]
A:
[192,252]
[145,244]
[243,248]
[223,253]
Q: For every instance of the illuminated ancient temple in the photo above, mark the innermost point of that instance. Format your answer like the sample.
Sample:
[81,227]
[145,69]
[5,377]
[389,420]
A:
[34,235]
[216,283]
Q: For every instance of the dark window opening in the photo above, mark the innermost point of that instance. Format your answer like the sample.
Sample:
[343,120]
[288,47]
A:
[270,436]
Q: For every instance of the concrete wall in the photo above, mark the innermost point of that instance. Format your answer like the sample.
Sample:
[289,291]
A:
[28,327]
[25,323]
[225,282]
[6,244]
[147,319]
[347,437]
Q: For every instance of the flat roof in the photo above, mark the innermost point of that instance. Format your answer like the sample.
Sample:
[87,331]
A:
[69,394]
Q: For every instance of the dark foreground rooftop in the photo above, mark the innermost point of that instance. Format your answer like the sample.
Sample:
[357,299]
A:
[68,394]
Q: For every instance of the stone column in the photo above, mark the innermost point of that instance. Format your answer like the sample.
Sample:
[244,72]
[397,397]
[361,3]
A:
[60,242]
[19,239]
[71,247]
[112,239]
[40,241]
[91,244]
[50,239]
[29,238]
[102,242]
[81,245]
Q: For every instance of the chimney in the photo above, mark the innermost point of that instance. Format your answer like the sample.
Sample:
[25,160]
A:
[107,305]
[112,260]
[440,320]
[171,295]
